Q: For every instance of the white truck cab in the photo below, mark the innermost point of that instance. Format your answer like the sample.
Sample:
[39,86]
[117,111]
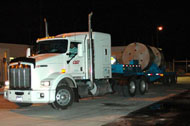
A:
[61,70]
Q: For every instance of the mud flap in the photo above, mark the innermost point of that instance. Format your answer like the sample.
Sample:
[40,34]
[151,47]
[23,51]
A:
[83,91]
[101,88]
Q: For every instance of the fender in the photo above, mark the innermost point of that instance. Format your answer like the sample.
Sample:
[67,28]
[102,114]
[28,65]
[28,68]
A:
[55,78]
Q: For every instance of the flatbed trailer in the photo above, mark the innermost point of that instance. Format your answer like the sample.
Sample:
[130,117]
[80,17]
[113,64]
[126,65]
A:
[130,79]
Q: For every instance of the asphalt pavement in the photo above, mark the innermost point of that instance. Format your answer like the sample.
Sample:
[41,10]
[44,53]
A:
[106,110]
[173,111]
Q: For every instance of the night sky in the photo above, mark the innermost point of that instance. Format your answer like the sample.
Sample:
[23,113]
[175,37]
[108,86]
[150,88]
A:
[22,21]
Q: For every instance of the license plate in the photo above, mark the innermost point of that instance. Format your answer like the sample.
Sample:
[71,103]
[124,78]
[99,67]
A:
[19,98]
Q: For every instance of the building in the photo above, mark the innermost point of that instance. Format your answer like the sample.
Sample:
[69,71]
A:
[8,52]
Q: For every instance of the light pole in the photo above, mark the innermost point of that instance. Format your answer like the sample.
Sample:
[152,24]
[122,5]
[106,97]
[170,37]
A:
[159,29]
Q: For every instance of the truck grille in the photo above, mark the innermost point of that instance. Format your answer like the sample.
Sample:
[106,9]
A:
[20,77]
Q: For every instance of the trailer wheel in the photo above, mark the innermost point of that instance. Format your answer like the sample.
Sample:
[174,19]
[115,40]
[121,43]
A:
[132,86]
[142,86]
[125,91]
[63,98]
[164,80]
[169,80]
[113,85]
[147,87]
[174,79]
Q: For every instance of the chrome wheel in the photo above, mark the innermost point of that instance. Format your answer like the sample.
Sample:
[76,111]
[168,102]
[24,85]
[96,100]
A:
[142,86]
[132,87]
[63,97]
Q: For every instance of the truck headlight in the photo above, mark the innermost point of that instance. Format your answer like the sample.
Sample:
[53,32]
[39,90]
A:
[45,83]
[6,85]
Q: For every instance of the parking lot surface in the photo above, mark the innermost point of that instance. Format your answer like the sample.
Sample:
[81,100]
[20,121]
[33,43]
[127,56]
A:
[93,111]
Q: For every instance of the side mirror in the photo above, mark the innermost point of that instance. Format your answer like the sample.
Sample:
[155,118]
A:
[68,53]
[80,50]
[28,52]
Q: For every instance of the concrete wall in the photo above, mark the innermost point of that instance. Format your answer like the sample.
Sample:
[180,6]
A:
[7,51]
[15,50]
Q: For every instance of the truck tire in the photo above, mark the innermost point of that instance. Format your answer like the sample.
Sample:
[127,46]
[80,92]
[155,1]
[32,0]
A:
[125,91]
[132,87]
[147,86]
[165,80]
[113,85]
[169,80]
[22,105]
[64,97]
[142,86]
[174,79]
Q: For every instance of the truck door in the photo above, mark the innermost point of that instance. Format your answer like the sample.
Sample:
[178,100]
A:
[75,62]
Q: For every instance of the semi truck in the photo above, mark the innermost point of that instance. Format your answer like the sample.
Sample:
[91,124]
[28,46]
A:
[70,66]
[57,76]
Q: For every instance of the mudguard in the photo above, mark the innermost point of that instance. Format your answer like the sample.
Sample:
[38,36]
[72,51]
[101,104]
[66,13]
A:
[55,78]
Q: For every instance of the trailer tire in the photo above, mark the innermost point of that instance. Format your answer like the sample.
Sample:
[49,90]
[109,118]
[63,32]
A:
[132,87]
[174,79]
[125,91]
[170,80]
[113,85]
[165,80]
[147,86]
[64,97]
[142,86]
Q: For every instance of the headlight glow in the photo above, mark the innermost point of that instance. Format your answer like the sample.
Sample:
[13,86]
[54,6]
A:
[45,83]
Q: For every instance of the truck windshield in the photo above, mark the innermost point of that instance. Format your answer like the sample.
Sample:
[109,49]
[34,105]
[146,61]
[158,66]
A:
[52,46]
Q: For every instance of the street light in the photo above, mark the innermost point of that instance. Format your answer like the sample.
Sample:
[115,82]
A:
[159,29]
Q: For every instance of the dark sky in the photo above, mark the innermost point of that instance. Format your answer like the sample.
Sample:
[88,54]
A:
[127,21]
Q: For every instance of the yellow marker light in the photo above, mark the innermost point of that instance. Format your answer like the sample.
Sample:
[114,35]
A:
[63,71]
[17,66]
[49,37]
[161,75]
[21,66]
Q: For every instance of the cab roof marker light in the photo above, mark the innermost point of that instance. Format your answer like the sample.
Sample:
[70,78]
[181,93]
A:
[49,37]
